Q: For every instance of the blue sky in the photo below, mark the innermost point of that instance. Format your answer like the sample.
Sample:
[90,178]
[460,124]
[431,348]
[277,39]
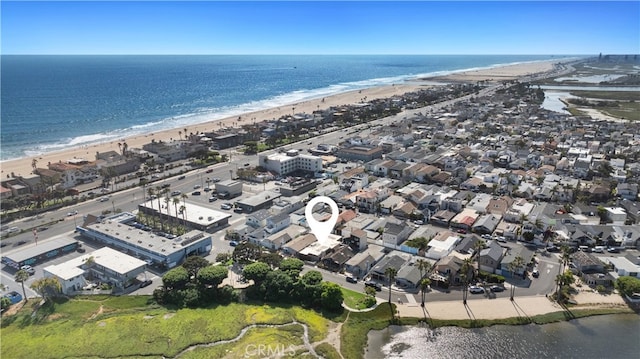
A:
[356,27]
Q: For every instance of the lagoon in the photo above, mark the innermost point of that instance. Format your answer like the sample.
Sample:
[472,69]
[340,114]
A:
[607,336]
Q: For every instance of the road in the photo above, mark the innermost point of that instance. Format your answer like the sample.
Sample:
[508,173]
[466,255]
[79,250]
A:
[60,223]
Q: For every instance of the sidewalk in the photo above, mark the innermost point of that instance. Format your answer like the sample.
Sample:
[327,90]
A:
[501,307]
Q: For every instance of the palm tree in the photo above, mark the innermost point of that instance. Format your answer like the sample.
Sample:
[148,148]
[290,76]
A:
[390,272]
[183,211]
[176,202]
[467,265]
[477,247]
[424,285]
[424,267]
[517,263]
[21,276]
[167,199]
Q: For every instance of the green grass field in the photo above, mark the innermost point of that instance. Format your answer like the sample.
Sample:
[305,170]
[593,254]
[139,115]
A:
[353,299]
[131,326]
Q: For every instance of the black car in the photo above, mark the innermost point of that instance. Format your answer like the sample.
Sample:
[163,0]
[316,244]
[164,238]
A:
[80,250]
[145,283]
[351,279]
[496,288]
[182,177]
[553,249]
[374,285]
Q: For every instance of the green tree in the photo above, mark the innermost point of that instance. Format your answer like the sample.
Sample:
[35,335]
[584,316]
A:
[212,276]
[628,285]
[331,296]
[514,266]
[193,264]
[277,286]
[21,276]
[466,272]
[291,266]
[424,267]
[5,303]
[256,272]
[47,287]
[312,277]
[246,252]
[176,278]
[391,273]
[418,242]
[370,291]
[273,259]
[424,286]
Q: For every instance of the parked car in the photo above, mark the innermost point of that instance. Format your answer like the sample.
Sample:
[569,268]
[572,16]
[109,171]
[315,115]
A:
[103,199]
[535,273]
[209,170]
[476,290]
[80,250]
[14,297]
[553,249]
[145,283]
[196,186]
[215,179]
[496,288]
[233,243]
[374,285]
[195,193]
[182,177]
[238,209]
[226,206]
[213,199]
[613,250]
[352,279]
[72,213]
[29,269]
[13,230]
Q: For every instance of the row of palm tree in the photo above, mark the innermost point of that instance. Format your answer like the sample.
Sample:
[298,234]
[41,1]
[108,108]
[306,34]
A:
[182,210]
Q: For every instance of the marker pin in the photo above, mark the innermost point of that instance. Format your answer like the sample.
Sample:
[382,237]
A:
[321,229]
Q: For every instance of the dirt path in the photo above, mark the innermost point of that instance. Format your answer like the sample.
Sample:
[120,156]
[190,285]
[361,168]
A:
[100,311]
[307,345]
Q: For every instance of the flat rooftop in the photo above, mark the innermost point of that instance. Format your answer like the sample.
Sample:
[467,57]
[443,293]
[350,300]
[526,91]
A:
[145,240]
[43,246]
[199,215]
[105,257]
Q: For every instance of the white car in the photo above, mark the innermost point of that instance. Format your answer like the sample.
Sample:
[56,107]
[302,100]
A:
[73,213]
[476,290]
[29,269]
[103,199]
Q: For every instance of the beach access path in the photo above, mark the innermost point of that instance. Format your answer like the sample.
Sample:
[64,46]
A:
[501,308]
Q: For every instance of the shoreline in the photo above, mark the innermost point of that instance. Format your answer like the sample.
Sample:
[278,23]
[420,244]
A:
[22,166]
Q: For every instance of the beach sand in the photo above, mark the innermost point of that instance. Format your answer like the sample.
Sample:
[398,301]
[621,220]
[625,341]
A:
[22,167]
[503,73]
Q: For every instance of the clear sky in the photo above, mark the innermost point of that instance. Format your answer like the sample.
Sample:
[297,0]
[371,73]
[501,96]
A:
[356,27]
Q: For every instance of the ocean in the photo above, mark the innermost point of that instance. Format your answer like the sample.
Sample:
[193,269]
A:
[50,103]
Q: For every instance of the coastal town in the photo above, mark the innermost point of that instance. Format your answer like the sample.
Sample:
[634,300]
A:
[452,192]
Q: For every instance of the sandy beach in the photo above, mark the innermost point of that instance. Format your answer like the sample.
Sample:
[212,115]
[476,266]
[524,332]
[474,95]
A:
[22,167]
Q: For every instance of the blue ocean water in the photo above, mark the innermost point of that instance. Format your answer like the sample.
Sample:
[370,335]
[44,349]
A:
[50,103]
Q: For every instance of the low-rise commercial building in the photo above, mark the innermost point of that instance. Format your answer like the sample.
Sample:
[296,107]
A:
[115,232]
[105,265]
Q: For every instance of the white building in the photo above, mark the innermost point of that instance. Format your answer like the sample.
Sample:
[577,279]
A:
[617,215]
[106,265]
[285,163]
